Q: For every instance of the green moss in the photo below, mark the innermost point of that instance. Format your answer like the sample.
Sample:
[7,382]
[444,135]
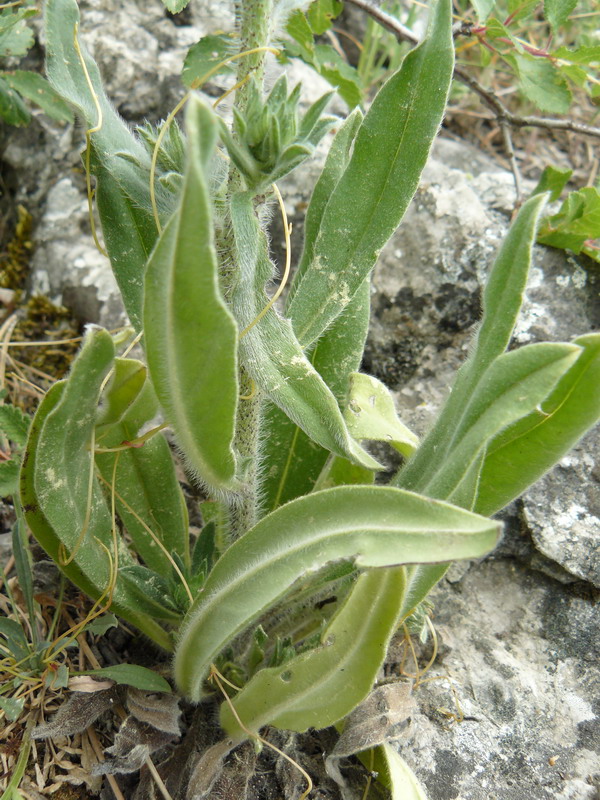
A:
[39,318]
[44,321]
[14,263]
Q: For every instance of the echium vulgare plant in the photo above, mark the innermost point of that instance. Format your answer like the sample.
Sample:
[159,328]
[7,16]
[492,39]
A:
[267,407]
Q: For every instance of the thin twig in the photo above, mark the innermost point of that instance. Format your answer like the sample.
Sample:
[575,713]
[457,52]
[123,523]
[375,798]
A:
[502,113]
[158,780]
[97,747]
[510,152]
[516,121]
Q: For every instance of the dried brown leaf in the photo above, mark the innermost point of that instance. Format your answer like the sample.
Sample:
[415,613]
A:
[77,713]
[85,683]
[207,769]
[232,781]
[378,719]
[134,742]
[158,709]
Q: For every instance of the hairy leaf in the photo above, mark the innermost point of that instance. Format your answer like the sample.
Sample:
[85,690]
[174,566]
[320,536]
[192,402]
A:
[205,55]
[318,688]
[80,711]
[292,461]
[372,526]
[63,503]
[191,336]
[371,197]
[395,773]
[120,162]
[132,675]
[371,414]
[127,381]
[524,451]
[333,169]
[37,89]
[153,589]
[502,300]
[512,387]
[147,493]
[270,352]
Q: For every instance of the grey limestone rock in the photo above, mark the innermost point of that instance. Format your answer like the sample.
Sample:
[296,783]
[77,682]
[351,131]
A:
[518,660]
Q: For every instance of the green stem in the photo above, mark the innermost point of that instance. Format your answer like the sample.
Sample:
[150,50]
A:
[255,22]
[12,790]
[243,505]
[244,509]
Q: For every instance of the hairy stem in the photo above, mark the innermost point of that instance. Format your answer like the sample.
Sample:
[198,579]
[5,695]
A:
[255,21]
[243,512]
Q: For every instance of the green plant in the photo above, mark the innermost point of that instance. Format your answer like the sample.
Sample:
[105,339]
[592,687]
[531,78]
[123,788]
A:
[268,410]
[18,85]
[547,50]
[576,225]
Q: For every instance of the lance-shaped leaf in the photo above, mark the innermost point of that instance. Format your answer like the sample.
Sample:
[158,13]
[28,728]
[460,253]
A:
[292,462]
[514,385]
[333,169]
[120,161]
[370,199]
[127,381]
[129,231]
[190,334]
[318,688]
[393,771]
[524,451]
[371,526]
[147,493]
[371,414]
[502,299]
[63,503]
[270,351]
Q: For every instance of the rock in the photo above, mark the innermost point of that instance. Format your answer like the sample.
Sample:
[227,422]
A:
[562,512]
[139,49]
[67,266]
[518,659]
